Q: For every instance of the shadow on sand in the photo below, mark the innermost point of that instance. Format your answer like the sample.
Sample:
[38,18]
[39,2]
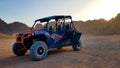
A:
[17,60]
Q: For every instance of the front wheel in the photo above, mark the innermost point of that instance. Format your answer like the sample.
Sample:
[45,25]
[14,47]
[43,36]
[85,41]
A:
[77,46]
[39,50]
[17,50]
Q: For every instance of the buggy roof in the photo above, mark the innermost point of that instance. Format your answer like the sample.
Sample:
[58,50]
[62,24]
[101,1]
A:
[53,17]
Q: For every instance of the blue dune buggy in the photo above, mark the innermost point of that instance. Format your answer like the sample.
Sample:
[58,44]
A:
[51,32]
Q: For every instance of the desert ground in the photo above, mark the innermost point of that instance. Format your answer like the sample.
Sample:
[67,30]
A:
[96,52]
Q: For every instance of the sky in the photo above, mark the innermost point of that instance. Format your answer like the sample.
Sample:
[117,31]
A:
[27,11]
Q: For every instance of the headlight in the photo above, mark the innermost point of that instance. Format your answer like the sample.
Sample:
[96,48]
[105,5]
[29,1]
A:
[32,33]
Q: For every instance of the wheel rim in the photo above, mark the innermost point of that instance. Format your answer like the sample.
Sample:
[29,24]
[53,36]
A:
[40,50]
[78,45]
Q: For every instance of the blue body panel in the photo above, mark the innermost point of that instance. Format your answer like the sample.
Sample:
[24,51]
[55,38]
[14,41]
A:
[52,39]
[40,32]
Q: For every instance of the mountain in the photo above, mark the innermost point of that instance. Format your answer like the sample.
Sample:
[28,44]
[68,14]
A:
[99,27]
[2,22]
[12,27]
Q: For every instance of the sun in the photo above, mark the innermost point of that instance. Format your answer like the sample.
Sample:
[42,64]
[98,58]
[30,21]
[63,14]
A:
[101,9]
[107,10]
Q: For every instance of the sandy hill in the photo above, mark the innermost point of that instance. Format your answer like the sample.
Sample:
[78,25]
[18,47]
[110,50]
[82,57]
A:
[100,26]
[12,27]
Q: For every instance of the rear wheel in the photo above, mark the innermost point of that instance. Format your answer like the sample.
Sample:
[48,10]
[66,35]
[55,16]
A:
[39,50]
[17,50]
[77,46]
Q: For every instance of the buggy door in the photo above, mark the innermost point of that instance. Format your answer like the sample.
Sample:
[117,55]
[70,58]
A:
[58,31]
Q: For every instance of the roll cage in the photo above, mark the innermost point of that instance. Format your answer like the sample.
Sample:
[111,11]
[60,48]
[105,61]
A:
[56,18]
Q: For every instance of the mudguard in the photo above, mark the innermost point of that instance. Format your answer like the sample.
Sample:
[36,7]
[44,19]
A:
[75,37]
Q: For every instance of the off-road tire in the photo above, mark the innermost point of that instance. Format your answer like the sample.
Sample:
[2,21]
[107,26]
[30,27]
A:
[17,51]
[77,46]
[39,50]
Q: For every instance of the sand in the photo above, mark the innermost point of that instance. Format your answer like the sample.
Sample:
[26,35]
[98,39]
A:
[96,52]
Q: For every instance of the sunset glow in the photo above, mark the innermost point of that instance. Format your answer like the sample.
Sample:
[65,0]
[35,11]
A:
[29,10]
[102,9]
